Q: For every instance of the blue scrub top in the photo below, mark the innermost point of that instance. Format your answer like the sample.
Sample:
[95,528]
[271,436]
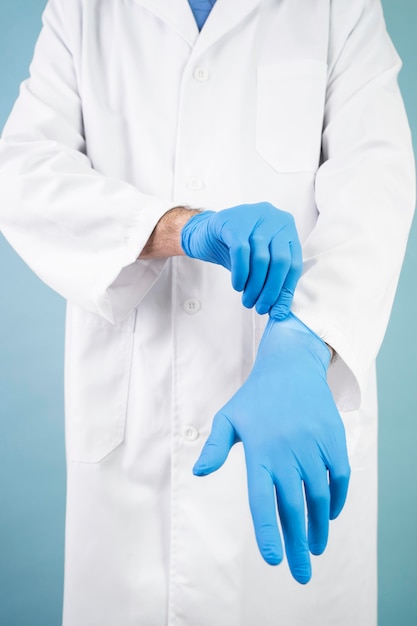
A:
[201,10]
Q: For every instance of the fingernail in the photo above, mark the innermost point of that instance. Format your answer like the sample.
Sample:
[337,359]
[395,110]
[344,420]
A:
[262,309]
[303,578]
[303,574]
[199,469]
[273,559]
[279,314]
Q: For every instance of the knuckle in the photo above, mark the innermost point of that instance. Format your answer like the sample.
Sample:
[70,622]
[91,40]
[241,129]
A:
[260,257]
[239,245]
[267,207]
[341,469]
[286,219]
[283,259]
[258,240]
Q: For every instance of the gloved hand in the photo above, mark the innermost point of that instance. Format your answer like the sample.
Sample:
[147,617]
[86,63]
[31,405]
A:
[258,244]
[294,443]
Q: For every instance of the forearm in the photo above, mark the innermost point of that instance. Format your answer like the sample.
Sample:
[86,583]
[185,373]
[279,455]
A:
[165,240]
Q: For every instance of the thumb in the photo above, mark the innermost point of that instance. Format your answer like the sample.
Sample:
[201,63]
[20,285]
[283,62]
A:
[221,439]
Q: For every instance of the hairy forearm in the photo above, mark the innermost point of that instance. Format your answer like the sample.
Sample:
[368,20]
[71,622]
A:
[165,240]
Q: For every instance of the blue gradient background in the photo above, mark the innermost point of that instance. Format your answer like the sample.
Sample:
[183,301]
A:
[32,469]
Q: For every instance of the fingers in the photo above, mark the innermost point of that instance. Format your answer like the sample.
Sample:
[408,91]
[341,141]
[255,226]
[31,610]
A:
[217,446]
[275,276]
[292,515]
[262,503]
[291,508]
[240,254]
[282,305]
[339,483]
[274,270]
[260,246]
[318,506]
[337,462]
[260,264]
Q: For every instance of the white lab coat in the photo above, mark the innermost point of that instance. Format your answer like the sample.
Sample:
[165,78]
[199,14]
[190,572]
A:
[129,112]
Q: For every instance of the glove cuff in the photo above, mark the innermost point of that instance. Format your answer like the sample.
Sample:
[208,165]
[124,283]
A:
[189,229]
[294,325]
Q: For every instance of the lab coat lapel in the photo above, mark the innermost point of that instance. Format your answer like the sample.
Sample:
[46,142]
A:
[176,13]
[224,16]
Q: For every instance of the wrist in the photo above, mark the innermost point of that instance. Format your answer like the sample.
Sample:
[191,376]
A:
[165,240]
[293,337]
[296,324]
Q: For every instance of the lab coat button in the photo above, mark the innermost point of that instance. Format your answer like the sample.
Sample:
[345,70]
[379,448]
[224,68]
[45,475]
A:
[195,183]
[191,433]
[201,74]
[191,306]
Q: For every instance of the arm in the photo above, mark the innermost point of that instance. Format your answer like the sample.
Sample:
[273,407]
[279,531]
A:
[92,236]
[81,231]
[365,196]
[258,243]
[285,414]
[165,239]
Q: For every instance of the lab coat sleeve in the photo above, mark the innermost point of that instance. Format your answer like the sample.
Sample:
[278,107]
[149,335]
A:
[365,195]
[80,231]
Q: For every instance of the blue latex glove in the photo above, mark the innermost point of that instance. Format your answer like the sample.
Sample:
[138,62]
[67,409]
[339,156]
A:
[258,244]
[294,443]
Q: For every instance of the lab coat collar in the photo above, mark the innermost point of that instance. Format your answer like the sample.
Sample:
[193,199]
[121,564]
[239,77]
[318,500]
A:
[223,17]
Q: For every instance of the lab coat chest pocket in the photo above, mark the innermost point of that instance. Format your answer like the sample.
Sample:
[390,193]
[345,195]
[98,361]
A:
[98,365]
[289,117]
